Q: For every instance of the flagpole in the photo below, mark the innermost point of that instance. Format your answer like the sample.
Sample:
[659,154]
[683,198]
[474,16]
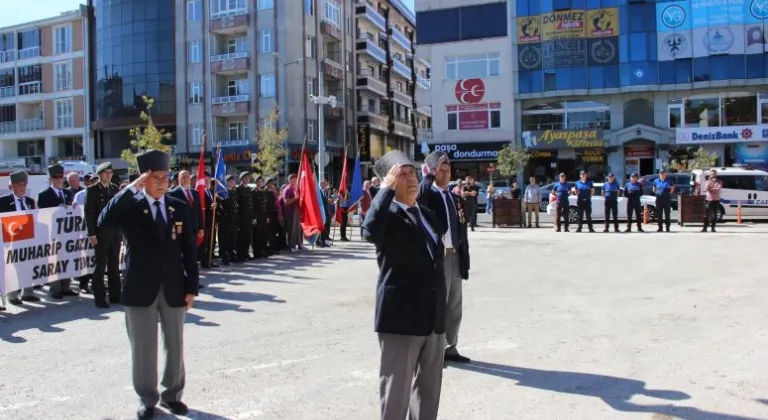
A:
[213,211]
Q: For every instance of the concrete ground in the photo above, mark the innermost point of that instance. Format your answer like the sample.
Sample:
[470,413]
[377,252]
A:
[560,326]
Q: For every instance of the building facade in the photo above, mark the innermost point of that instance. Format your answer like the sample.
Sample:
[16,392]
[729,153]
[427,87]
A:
[627,86]
[43,112]
[388,74]
[470,89]
[130,59]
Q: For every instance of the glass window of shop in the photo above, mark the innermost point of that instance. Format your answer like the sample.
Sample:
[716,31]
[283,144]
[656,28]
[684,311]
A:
[570,115]
[718,110]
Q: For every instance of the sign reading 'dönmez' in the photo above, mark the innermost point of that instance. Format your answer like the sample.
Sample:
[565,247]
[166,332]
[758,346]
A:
[735,134]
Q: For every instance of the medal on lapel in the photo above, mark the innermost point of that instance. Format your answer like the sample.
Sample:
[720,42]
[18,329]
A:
[176,230]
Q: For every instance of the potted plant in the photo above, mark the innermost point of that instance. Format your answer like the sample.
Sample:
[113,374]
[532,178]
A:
[691,208]
[509,163]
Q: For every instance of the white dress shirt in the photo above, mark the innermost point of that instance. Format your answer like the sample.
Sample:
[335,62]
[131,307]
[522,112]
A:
[151,202]
[431,231]
[80,197]
[447,236]
[59,193]
[18,206]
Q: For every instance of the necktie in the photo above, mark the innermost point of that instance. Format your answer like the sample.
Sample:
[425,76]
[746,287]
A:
[61,196]
[189,198]
[453,219]
[21,205]
[162,227]
[430,242]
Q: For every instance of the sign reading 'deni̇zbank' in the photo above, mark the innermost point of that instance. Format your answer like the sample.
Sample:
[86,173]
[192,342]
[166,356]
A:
[737,134]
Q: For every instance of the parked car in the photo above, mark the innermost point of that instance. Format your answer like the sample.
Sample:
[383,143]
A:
[742,186]
[598,206]
[482,200]
[546,190]
[501,187]
[681,180]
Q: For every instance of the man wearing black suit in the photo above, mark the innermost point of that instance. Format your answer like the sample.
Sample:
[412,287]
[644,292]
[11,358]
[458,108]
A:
[185,193]
[161,278]
[410,294]
[434,194]
[17,200]
[106,241]
[326,203]
[55,196]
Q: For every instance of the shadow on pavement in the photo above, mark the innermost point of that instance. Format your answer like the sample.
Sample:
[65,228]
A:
[614,391]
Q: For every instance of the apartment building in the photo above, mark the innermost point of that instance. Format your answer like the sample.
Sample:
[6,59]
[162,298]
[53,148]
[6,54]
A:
[242,60]
[387,76]
[43,112]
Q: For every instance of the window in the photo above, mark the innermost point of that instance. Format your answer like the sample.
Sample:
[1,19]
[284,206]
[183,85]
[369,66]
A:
[472,66]
[237,87]
[267,85]
[63,76]
[464,23]
[64,113]
[265,41]
[195,92]
[312,130]
[311,46]
[238,131]
[227,7]
[30,79]
[309,7]
[266,4]
[62,39]
[237,45]
[567,115]
[739,182]
[724,110]
[195,52]
[196,134]
[194,10]
[332,12]
[311,83]
[266,122]
[474,117]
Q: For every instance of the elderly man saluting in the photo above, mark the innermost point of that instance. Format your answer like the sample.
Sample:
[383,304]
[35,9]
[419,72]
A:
[410,301]
[161,278]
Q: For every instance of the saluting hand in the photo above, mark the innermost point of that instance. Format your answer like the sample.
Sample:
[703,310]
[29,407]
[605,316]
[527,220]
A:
[390,181]
[140,181]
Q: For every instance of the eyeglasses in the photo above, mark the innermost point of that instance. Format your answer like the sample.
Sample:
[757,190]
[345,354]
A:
[57,177]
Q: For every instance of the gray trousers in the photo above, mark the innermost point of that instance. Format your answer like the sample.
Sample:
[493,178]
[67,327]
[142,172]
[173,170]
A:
[141,323]
[410,376]
[59,286]
[454,301]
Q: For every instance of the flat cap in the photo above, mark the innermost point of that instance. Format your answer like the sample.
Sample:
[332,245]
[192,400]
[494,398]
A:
[244,174]
[432,159]
[132,177]
[56,170]
[230,177]
[634,175]
[388,161]
[153,160]
[19,176]
[103,167]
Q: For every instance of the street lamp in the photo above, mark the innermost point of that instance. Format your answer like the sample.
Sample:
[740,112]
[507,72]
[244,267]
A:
[321,101]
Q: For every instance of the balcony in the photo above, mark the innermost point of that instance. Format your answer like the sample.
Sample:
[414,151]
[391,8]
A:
[7,56]
[401,69]
[401,97]
[30,88]
[30,52]
[332,65]
[228,64]
[423,84]
[230,106]
[229,22]
[403,127]
[371,81]
[7,92]
[34,124]
[376,118]
[331,30]
[338,112]
[373,50]
[424,134]
[401,39]
[373,15]
[8,127]
[233,143]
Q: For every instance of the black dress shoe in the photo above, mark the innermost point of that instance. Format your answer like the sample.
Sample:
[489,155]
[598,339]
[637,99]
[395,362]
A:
[102,305]
[200,286]
[30,299]
[57,296]
[145,413]
[37,286]
[178,408]
[15,301]
[114,301]
[456,357]
[85,291]
[70,292]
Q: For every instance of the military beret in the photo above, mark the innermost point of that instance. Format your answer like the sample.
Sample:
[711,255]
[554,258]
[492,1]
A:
[133,177]
[244,174]
[174,176]
[270,180]
[19,176]
[56,170]
[259,177]
[634,175]
[388,161]
[153,160]
[432,159]
[87,177]
[230,177]
[103,167]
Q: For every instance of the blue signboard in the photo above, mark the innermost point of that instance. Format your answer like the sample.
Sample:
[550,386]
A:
[673,16]
[752,154]
[755,11]
[717,12]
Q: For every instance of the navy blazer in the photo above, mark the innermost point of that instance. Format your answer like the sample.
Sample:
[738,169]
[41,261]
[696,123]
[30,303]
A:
[8,203]
[411,290]
[434,201]
[154,260]
[48,198]
[197,212]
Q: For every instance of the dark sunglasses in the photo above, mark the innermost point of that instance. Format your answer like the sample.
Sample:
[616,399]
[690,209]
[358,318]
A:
[58,177]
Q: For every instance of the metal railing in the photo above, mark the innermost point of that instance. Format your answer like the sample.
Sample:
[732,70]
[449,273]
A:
[233,142]
[30,88]
[229,56]
[401,68]
[230,99]
[35,124]
[63,84]
[6,56]
[424,133]
[334,56]
[401,39]
[235,12]
[376,51]
[423,84]
[8,127]
[371,74]
[8,92]
[30,52]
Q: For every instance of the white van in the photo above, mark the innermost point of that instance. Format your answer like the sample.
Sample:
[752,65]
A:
[80,167]
[741,185]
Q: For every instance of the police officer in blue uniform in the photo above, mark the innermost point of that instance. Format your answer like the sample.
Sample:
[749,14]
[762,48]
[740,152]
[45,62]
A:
[633,190]
[584,189]
[663,188]
[562,189]
[611,194]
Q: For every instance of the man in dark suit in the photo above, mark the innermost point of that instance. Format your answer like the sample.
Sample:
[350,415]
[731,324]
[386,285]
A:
[17,200]
[227,223]
[434,194]
[244,217]
[185,193]
[204,250]
[106,241]
[161,278]
[410,301]
[326,198]
[54,196]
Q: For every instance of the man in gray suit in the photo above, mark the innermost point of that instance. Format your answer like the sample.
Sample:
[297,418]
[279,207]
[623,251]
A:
[410,294]
[161,278]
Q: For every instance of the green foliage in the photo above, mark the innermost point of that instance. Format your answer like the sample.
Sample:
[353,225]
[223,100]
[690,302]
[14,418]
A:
[147,137]
[511,161]
[700,158]
[269,159]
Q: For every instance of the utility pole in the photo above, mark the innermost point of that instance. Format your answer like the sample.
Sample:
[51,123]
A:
[320,101]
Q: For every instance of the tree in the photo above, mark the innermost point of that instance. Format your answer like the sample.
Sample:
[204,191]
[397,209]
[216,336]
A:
[698,158]
[148,137]
[269,159]
[511,161]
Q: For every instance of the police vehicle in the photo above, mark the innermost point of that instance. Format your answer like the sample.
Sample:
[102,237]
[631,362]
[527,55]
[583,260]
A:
[741,185]
[598,206]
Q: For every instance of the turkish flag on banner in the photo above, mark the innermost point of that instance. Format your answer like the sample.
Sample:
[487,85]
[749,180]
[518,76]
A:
[18,227]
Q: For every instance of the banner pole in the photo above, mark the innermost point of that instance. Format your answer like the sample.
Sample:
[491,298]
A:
[213,215]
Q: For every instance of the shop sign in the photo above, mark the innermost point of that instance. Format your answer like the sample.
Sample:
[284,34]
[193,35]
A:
[237,155]
[564,139]
[541,154]
[470,91]
[474,116]
[13,164]
[593,155]
[736,134]
[470,151]
[639,152]
[364,142]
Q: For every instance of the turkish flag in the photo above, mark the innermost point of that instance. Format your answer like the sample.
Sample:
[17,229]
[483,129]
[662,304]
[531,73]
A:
[309,207]
[200,187]
[18,227]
